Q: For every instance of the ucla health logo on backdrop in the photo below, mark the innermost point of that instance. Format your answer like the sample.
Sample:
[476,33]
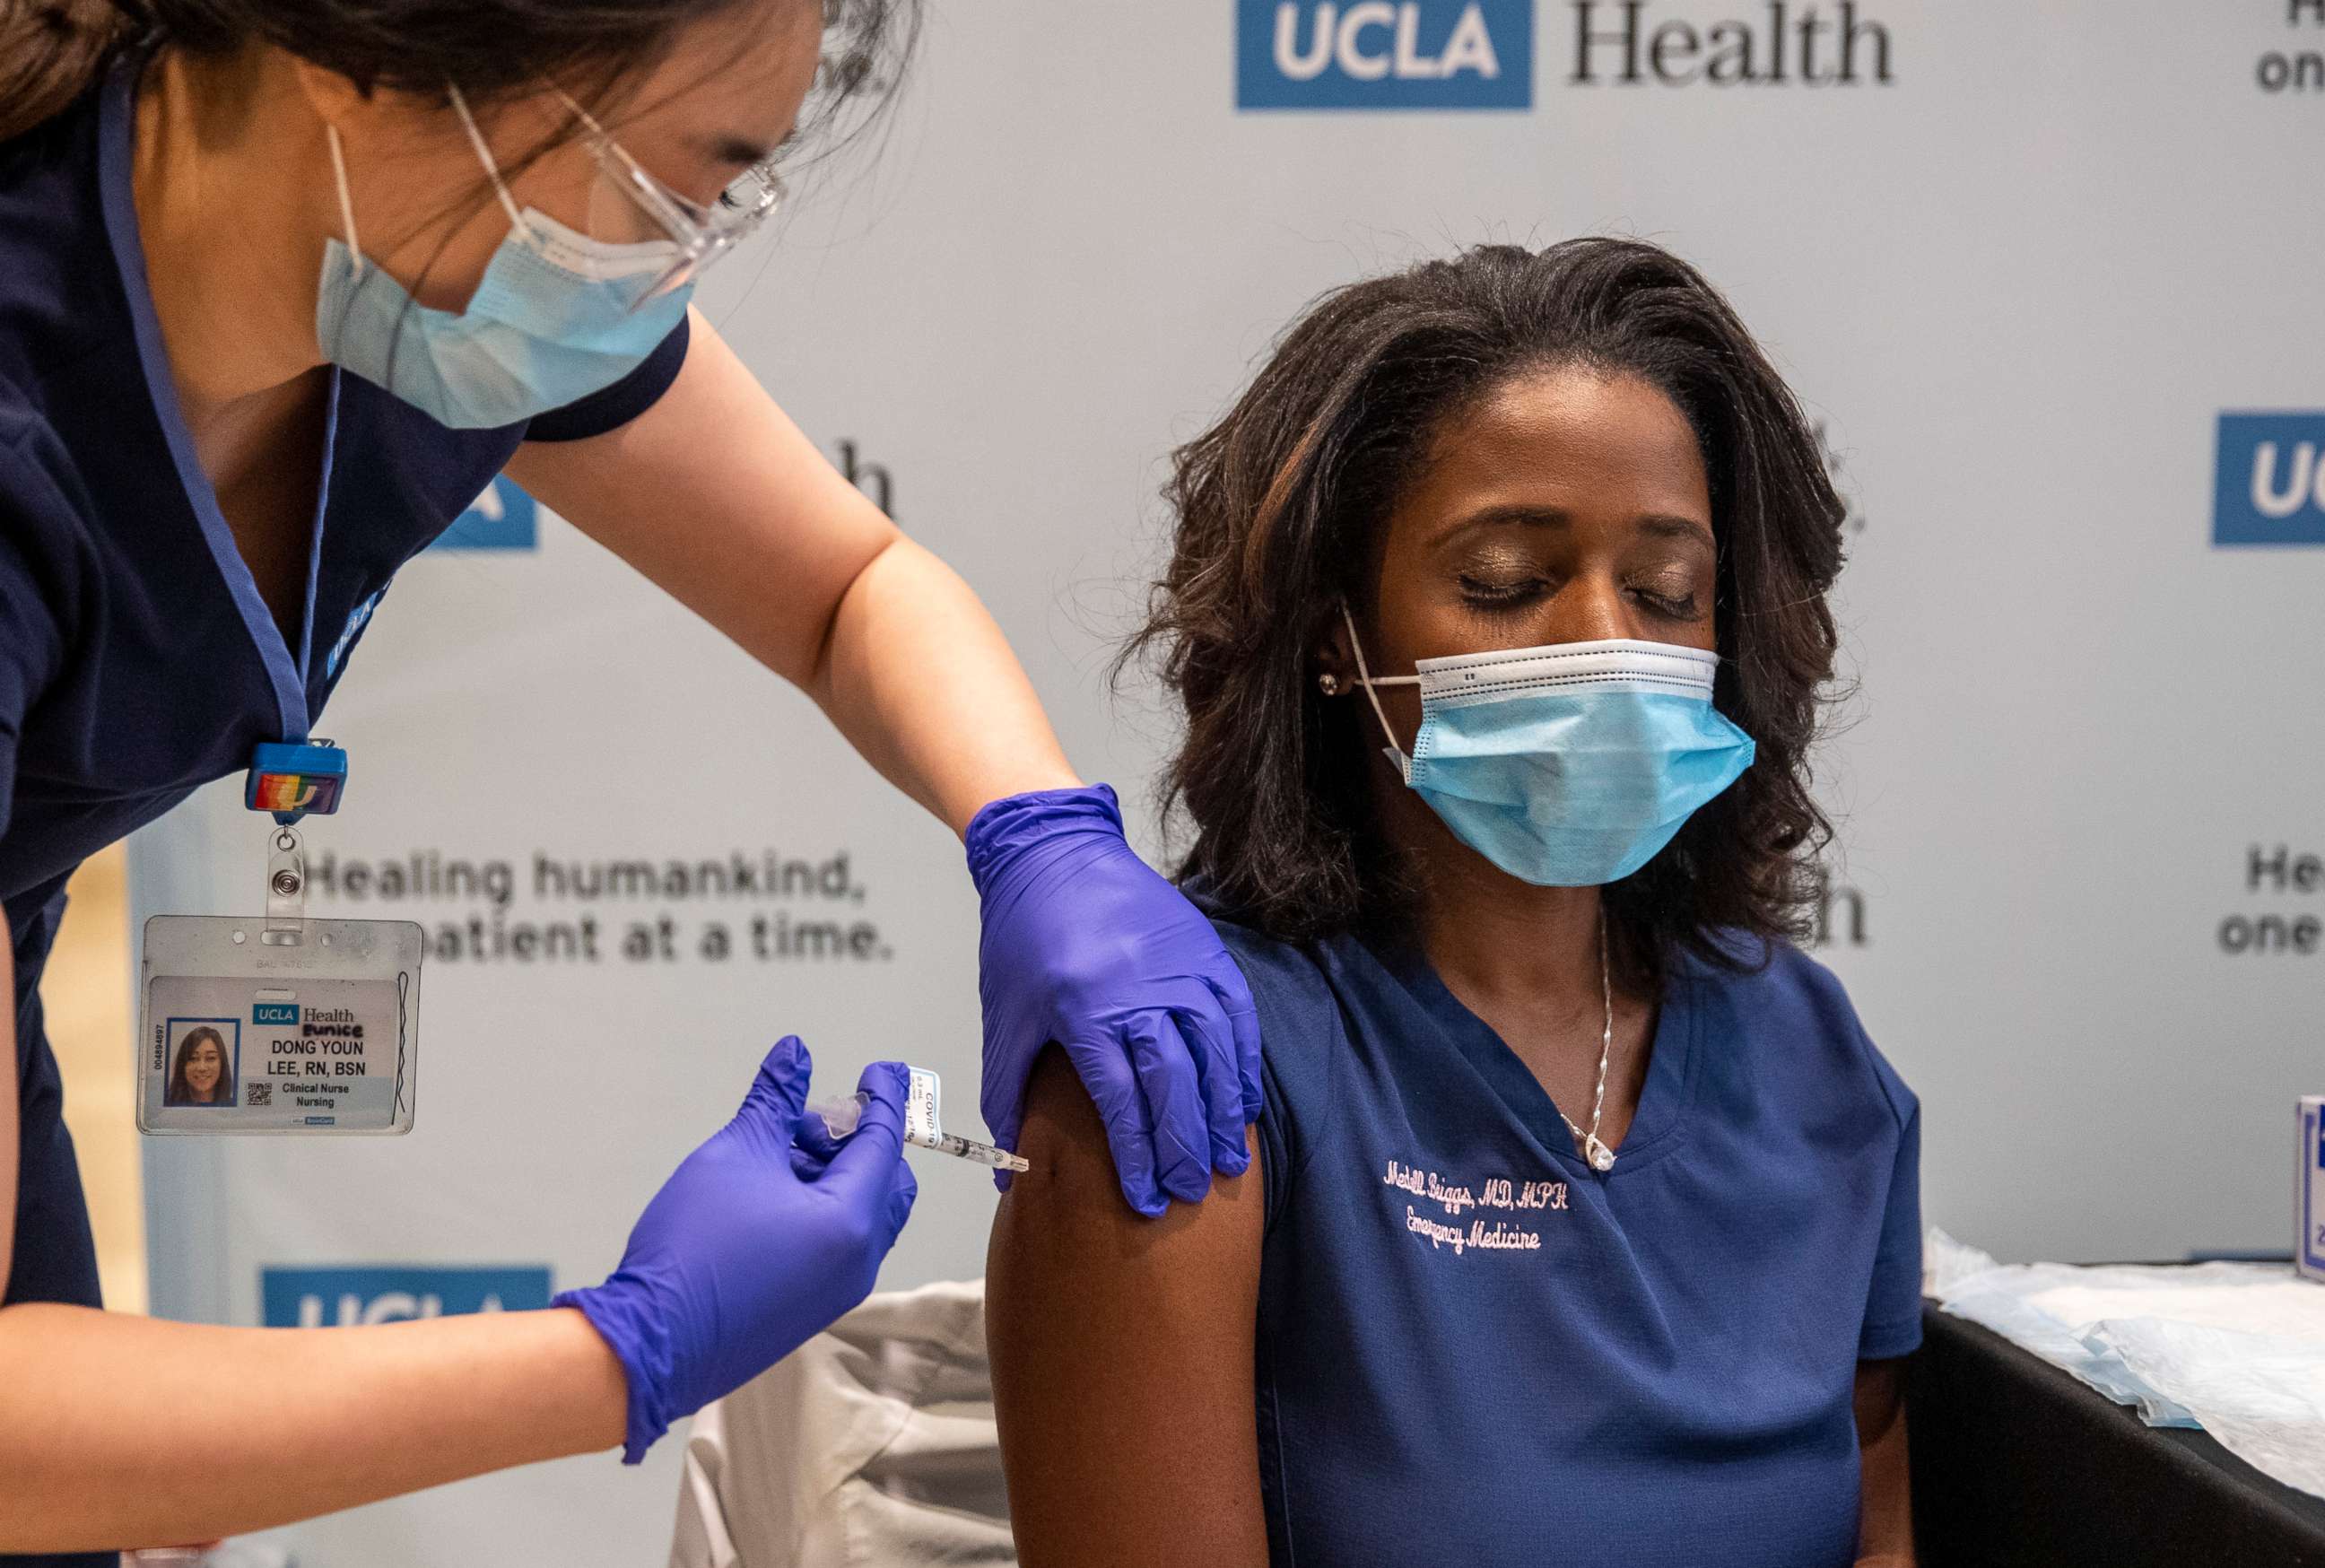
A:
[1375,54]
[1635,43]
[2268,479]
[1478,54]
[311,1298]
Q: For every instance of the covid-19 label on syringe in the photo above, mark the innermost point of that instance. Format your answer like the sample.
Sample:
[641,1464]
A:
[923,1108]
[924,1125]
[923,1122]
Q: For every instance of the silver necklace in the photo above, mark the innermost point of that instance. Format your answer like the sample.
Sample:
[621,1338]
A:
[1601,1157]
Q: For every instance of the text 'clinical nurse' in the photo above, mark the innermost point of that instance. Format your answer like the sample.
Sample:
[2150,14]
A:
[282,288]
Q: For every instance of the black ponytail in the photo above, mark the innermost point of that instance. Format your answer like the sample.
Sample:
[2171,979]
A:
[53,50]
[50,53]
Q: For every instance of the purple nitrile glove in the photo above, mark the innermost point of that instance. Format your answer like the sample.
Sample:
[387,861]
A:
[1086,945]
[759,1240]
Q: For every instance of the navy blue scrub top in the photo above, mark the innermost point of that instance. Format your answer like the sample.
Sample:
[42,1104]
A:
[137,660]
[1474,1349]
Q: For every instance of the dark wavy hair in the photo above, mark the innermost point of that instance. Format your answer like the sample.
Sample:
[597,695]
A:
[178,1091]
[1279,510]
[53,50]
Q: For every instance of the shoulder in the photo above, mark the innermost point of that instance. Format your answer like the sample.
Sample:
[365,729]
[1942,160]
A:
[1794,1008]
[38,164]
[50,580]
[43,505]
[1281,973]
[1299,1009]
[1303,1043]
[61,313]
[60,298]
[41,494]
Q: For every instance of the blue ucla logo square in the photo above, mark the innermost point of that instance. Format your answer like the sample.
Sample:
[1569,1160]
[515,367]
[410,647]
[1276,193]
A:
[309,1298]
[1385,54]
[504,517]
[2268,479]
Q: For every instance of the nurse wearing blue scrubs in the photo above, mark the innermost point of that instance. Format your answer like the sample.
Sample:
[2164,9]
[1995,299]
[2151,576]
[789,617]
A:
[1586,1230]
[282,288]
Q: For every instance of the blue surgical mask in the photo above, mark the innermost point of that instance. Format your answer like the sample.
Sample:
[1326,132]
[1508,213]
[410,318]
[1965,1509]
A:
[1569,765]
[558,316]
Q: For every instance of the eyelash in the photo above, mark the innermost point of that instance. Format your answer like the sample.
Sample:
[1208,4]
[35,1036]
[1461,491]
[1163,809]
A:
[1501,596]
[1675,608]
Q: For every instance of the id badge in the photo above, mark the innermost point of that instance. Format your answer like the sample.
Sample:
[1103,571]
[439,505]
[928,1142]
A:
[278,1025]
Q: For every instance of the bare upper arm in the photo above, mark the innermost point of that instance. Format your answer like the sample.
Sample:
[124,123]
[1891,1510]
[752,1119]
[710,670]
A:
[1122,1355]
[715,495]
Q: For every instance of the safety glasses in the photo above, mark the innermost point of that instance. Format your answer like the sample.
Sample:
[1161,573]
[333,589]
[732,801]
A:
[628,203]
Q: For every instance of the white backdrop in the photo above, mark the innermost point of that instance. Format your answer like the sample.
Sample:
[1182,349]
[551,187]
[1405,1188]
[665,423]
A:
[2020,281]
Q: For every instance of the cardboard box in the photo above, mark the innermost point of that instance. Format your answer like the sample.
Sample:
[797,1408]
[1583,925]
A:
[2309,1197]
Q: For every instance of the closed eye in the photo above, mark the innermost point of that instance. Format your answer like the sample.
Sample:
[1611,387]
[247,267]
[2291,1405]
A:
[1675,607]
[1501,593]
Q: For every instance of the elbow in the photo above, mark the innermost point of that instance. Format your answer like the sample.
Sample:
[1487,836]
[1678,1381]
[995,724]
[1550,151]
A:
[812,663]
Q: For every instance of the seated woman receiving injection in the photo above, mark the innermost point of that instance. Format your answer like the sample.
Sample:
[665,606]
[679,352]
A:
[1585,1228]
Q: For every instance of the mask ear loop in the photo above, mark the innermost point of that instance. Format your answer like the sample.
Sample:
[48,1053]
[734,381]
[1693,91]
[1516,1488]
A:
[484,156]
[1365,678]
[347,206]
[588,122]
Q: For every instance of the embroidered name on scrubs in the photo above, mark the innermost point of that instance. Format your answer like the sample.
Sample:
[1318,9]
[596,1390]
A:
[1498,1192]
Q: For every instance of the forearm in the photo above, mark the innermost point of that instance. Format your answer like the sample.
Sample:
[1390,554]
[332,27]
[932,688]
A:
[102,1415]
[1885,1524]
[917,676]
[1886,1521]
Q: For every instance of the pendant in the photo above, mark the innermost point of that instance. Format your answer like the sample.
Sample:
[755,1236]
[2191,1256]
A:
[1602,1158]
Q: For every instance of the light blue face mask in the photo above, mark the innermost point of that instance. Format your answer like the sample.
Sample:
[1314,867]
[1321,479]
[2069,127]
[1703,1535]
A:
[558,316]
[1569,765]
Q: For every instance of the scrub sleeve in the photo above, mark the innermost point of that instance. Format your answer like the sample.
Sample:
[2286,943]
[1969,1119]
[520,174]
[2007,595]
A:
[54,1257]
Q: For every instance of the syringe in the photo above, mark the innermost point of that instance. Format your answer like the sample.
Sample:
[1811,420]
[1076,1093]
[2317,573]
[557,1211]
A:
[970,1150]
[922,1125]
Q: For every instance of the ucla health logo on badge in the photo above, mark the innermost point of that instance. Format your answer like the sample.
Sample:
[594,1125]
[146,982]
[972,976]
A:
[2268,480]
[1375,54]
